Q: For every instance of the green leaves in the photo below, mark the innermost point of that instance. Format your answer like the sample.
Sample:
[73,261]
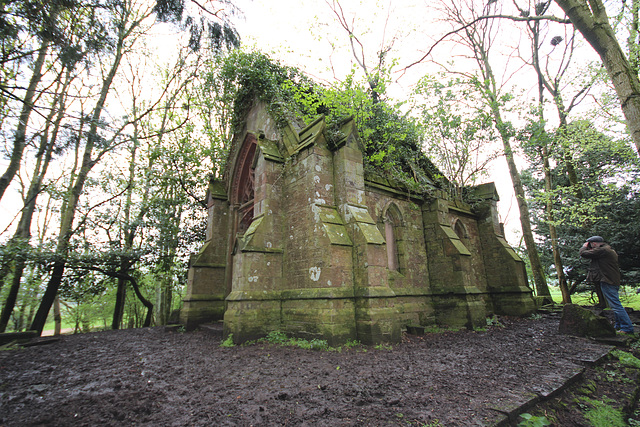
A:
[458,132]
[392,139]
[603,201]
[247,76]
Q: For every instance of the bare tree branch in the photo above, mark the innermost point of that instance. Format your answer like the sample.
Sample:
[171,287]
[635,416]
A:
[481,18]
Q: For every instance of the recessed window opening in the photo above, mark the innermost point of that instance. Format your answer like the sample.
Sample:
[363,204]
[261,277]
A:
[391,224]
[244,193]
[461,232]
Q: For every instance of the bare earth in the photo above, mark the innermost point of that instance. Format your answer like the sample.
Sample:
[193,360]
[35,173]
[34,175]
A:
[152,377]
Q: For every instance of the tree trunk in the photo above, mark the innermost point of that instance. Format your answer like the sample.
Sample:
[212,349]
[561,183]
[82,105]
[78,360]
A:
[57,317]
[602,302]
[23,232]
[22,235]
[567,159]
[161,301]
[553,234]
[539,278]
[118,309]
[21,130]
[477,36]
[129,231]
[163,298]
[168,254]
[594,26]
[143,300]
[5,268]
[548,183]
[67,217]
[49,295]
[10,303]
[633,41]
[542,290]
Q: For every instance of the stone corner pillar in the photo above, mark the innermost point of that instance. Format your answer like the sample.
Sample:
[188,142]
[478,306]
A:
[376,317]
[457,301]
[507,282]
[206,286]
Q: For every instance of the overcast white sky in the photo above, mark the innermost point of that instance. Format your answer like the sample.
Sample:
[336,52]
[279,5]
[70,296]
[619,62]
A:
[305,33]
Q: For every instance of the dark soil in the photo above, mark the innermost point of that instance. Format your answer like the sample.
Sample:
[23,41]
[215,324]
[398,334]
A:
[153,377]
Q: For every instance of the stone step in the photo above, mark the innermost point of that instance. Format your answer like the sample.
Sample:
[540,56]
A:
[213,328]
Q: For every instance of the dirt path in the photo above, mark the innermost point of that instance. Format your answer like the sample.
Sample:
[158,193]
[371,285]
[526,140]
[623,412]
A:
[155,378]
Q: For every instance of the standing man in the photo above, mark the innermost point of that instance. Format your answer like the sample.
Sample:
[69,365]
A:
[604,270]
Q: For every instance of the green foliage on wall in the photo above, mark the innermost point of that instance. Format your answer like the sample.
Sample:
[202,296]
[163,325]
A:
[392,139]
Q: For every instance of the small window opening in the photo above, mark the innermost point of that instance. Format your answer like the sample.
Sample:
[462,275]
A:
[391,223]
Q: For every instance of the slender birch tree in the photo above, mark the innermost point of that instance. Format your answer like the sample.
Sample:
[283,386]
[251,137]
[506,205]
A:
[478,36]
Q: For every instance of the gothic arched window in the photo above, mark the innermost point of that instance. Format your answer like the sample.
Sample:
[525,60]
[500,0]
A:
[391,234]
[243,184]
[461,232]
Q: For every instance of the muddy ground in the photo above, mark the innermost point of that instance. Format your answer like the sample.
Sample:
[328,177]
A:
[153,377]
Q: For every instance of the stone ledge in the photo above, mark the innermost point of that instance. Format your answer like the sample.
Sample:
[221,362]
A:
[203,297]
[551,386]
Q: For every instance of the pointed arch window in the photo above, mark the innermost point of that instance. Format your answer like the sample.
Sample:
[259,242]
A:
[391,232]
[461,232]
[244,183]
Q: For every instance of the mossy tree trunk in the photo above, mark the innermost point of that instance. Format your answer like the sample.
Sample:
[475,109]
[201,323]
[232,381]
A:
[590,18]
[478,38]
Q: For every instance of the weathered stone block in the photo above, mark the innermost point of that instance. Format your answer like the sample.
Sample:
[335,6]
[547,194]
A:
[581,322]
[513,303]
[249,320]
[196,311]
[329,319]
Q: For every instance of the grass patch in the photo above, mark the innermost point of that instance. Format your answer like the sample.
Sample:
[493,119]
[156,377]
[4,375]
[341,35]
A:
[602,414]
[50,326]
[434,329]
[589,387]
[626,359]
[280,338]
[628,297]
[533,421]
[383,346]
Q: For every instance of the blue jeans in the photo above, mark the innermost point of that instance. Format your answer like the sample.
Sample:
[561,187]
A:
[623,322]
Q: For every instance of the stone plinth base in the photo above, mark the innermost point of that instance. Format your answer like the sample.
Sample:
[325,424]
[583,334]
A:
[199,309]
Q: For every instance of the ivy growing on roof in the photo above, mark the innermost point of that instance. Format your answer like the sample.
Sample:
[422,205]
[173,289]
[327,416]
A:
[392,140]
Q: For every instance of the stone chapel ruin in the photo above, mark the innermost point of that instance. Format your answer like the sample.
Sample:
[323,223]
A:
[301,240]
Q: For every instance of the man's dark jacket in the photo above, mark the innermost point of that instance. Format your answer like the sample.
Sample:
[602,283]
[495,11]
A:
[604,264]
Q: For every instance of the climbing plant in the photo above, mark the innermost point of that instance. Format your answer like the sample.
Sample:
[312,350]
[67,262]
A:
[392,139]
